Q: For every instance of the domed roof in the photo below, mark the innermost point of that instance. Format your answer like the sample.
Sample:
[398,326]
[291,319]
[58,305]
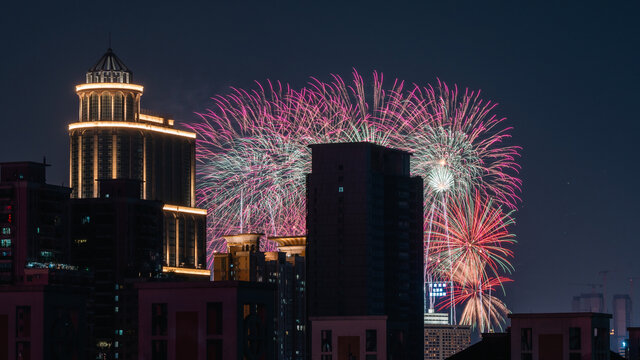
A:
[109,69]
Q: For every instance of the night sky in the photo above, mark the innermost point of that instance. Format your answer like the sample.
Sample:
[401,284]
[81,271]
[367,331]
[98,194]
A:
[566,77]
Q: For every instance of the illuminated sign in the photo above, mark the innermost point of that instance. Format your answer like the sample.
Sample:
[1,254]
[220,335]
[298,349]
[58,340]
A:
[438,289]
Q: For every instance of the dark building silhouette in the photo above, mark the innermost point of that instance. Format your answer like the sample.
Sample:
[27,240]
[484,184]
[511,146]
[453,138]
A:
[115,139]
[33,220]
[633,345]
[364,251]
[43,312]
[548,336]
[118,237]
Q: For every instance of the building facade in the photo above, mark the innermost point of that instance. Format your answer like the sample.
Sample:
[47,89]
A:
[364,241]
[118,237]
[203,320]
[285,269]
[114,139]
[34,215]
[559,336]
[442,341]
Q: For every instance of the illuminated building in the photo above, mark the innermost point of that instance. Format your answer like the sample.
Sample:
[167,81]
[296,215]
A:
[33,220]
[442,340]
[285,269]
[364,252]
[115,139]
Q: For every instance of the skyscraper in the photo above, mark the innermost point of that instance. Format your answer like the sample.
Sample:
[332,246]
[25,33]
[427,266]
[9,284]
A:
[364,253]
[115,139]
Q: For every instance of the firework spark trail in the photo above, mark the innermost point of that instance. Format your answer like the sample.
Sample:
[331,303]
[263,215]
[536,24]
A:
[475,230]
[482,311]
[256,143]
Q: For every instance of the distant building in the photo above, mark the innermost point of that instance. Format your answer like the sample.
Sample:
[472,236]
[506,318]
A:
[115,139]
[206,320]
[442,340]
[364,252]
[33,220]
[621,321]
[592,302]
[285,269]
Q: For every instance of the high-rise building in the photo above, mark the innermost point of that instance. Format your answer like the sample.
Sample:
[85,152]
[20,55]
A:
[285,269]
[115,139]
[621,321]
[118,237]
[33,220]
[364,253]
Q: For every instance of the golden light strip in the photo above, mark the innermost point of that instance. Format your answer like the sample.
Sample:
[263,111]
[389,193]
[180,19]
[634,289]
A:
[80,167]
[114,157]
[98,86]
[177,270]
[95,166]
[177,241]
[130,125]
[151,118]
[184,209]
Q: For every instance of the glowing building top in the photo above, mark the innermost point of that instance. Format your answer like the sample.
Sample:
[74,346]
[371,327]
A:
[109,69]
[114,139]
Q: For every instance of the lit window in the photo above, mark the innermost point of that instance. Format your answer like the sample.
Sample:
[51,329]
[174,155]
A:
[6,230]
[340,189]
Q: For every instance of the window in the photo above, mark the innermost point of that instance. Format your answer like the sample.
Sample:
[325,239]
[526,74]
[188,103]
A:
[5,243]
[158,319]
[159,350]
[526,343]
[23,321]
[6,231]
[86,219]
[325,341]
[214,318]
[371,341]
[340,189]
[214,349]
[574,338]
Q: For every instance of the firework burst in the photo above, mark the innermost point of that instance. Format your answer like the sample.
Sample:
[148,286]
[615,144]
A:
[253,154]
[253,157]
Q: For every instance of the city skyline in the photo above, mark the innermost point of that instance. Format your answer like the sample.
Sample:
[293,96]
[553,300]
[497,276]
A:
[566,211]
